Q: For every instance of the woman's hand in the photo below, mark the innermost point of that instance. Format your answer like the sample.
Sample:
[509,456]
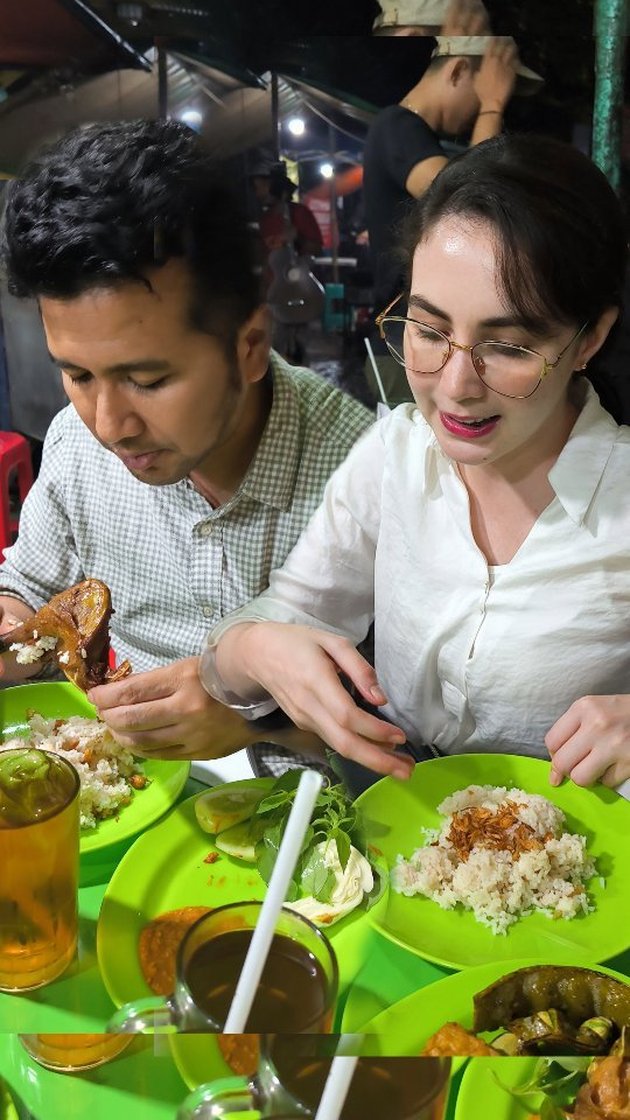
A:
[299,666]
[591,742]
[166,713]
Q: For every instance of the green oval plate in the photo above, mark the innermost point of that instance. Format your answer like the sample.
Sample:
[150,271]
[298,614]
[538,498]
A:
[481,1096]
[395,812]
[165,869]
[406,1026]
[62,700]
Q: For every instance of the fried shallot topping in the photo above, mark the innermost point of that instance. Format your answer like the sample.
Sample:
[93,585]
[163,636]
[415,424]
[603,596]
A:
[502,830]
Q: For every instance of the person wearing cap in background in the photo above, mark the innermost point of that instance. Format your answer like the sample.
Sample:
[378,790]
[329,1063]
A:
[468,83]
[428,17]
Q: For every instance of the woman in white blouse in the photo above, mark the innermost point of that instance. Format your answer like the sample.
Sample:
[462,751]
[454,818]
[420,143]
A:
[485,530]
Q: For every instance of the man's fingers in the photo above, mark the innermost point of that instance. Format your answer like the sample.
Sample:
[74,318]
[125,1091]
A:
[140,717]
[135,689]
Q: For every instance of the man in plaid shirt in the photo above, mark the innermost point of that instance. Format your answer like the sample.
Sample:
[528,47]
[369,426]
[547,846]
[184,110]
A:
[191,456]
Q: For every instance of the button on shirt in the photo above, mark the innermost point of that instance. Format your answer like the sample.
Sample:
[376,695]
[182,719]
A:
[471,657]
[173,564]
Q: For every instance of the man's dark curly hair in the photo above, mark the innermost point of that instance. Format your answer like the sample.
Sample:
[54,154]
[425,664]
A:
[110,201]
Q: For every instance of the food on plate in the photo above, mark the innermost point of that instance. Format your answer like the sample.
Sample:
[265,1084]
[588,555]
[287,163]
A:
[351,884]
[223,807]
[159,941]
[578,1089]
[74,628]
[452,1040]
[544,1009]
[501,853]
[241,1052]
[336,871]
[109,773]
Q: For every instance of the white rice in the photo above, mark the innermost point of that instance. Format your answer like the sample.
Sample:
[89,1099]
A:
[105,768]
[496,885]
[28,652]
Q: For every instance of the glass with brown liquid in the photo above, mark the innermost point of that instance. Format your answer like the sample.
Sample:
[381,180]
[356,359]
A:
[39,861]
[292,1073]
[296,993]
[74,1052]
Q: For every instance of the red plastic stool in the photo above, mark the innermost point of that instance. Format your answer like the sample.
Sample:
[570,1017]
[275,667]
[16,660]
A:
[15,455]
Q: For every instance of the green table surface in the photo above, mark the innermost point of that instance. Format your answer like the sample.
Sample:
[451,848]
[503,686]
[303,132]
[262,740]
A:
[142,1083]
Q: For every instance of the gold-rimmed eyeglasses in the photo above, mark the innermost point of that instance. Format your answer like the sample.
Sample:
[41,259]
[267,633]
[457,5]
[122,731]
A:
[504,367]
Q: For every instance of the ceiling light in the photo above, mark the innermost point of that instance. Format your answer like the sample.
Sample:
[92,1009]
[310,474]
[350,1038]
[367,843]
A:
[327,170]
[296,126]
[191,117]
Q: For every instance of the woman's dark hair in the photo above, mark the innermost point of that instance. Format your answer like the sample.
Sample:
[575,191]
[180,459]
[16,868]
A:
[110,201]
[559,226]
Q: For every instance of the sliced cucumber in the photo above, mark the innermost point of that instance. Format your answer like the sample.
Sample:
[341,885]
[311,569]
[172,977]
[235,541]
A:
[237,842]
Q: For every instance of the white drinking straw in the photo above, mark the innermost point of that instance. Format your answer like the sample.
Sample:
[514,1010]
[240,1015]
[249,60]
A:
[299,819]
[336,1088]
[377,375]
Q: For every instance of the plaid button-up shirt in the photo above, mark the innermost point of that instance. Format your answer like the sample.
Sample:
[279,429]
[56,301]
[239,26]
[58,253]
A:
[174,565]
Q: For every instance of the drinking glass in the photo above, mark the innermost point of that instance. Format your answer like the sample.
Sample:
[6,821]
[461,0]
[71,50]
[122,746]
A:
[74,1052]
[296,993]
[291,1076]
[39,862]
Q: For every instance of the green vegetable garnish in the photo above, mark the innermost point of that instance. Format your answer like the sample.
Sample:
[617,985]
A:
[335,817]
[559,1079]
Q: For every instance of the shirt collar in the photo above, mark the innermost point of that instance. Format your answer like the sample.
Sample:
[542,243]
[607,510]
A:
[578,470]
[271,475]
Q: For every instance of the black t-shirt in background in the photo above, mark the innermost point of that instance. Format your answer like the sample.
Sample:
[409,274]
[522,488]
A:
[397,140]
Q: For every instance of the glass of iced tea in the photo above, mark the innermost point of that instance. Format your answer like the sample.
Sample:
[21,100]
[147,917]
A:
[39,857]
[297,990]
[70,1053]
[292,1073]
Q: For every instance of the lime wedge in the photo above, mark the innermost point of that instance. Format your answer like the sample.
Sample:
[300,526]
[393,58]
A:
[237,841]
[224,806]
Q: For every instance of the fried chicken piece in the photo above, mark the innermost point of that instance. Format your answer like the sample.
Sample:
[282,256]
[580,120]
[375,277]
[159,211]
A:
[159,941]
[453,1040]
[606,1093]
[79,619]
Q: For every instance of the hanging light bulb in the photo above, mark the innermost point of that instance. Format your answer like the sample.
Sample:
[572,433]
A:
[326,170]
[191,117]
[296,126]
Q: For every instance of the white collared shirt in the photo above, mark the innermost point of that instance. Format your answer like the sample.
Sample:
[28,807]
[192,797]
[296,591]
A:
[471,657]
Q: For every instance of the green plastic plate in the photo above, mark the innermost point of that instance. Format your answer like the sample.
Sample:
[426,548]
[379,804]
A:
[165,869]
[396,812]
[482,1096]
[61,700]
[406,1027]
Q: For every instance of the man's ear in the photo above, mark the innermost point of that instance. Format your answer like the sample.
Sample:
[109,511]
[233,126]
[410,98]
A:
[253,344]
[459,69]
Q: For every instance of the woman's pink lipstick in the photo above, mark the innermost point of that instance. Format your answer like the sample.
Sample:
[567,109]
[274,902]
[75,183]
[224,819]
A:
[468,429]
